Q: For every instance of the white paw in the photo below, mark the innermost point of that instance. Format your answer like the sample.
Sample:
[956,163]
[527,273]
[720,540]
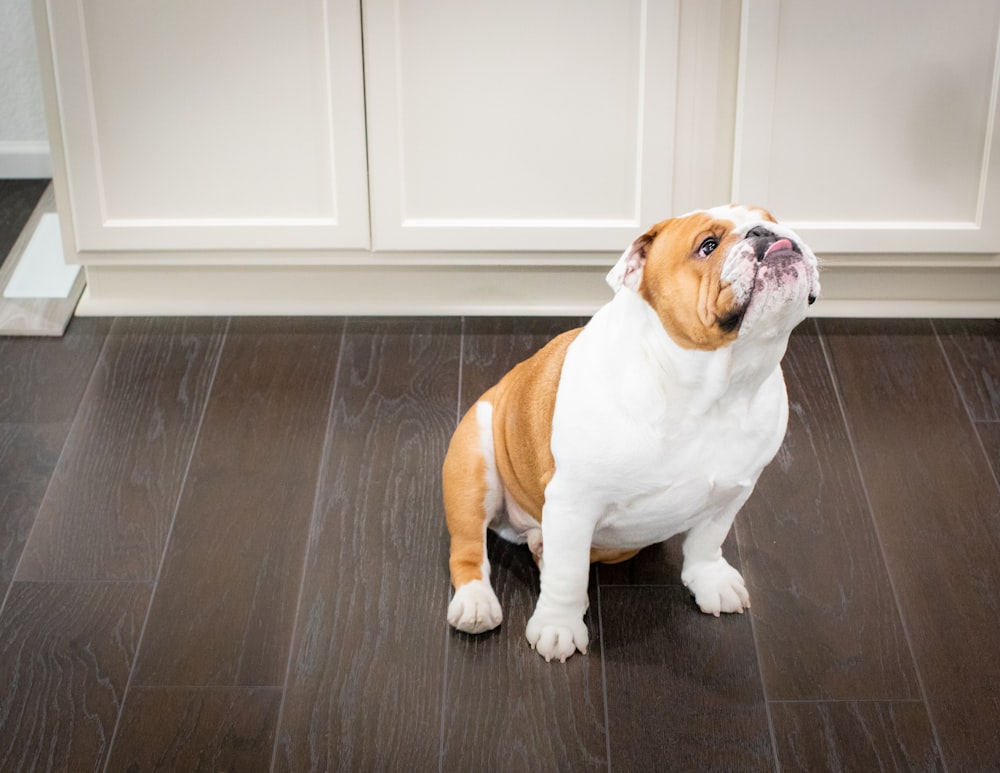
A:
[557,637]
[717,587]
[474,608]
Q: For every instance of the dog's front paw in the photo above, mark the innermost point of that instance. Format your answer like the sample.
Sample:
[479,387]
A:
[475,608]
[557,636]
[717,587]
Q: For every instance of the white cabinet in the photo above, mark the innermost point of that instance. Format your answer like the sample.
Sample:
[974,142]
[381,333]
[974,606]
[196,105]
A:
[519,125]
[241,124]
[226,124]
[872,126]
[472,156]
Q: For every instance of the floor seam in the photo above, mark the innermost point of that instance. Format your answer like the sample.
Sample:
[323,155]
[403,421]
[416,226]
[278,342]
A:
[447,632]
[835,382]
[48,485]
[324,458]
[166,546]
[973,421]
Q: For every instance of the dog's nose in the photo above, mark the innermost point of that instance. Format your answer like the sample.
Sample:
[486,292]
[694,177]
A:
[762,239]
[765,241]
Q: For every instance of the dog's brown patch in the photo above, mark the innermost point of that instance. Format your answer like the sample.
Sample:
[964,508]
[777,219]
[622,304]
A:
[522,403]
[675,273]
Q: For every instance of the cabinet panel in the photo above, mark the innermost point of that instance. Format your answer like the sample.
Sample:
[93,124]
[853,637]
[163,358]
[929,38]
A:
[212,124]
[871,126]
[519,125]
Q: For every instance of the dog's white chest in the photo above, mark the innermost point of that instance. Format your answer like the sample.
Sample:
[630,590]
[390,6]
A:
[663,488]
[646,456]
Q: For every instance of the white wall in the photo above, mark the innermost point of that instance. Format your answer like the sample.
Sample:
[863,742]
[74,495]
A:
[24,149]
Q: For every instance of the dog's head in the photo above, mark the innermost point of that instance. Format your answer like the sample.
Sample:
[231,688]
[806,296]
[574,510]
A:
[721,274]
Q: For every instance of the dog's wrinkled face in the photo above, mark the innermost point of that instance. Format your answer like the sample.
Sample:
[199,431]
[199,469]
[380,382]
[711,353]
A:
[721,274]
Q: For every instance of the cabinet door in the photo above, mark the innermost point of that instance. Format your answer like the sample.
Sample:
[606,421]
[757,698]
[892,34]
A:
[519,125]
[212,124]
[871,126]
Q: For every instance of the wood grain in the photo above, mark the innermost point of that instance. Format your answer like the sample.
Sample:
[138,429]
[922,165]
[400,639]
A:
[42,380]
[375,678]
[28,455]
[113,494]
[825,619]
[683,689]
[846,735]
[367,666]
[505,707]
[65,655]
[225,603]
[491,346]
[196,730]
[937,509]
[972,347]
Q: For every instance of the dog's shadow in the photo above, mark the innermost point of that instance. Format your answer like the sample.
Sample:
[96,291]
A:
[640,612]
[641,602]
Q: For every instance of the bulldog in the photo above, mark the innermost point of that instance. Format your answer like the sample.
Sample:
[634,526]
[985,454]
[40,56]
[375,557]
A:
[654,419]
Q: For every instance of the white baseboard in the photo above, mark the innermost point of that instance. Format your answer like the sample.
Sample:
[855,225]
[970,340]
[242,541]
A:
[489,290]
[25,160]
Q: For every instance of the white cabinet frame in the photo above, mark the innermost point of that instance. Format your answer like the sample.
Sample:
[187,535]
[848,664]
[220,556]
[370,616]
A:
[395,226]
[755,155]
[339,216]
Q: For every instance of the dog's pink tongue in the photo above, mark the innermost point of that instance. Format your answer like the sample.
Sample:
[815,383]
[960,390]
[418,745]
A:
[778,246]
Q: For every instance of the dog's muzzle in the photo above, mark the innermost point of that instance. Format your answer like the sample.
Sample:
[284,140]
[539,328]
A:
[767,244]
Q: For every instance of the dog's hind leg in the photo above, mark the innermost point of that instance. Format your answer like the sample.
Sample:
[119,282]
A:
[472,497]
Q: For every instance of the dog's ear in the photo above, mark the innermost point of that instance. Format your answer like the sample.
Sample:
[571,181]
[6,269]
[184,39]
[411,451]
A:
[628,270]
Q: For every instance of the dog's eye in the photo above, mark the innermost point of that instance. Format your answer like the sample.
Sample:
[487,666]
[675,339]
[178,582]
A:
[708,246]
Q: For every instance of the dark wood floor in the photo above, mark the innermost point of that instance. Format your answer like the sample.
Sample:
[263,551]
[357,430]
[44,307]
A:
[222,547]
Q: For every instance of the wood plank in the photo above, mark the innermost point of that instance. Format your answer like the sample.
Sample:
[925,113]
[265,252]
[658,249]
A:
[937,510]
[43,379]
[683,689]
[65,655]
[504,708]
[972,347]
[874,735]
[365,686]
[491,346]
[196,729]
[225,603]
[824,615]
[113,494]
[28,455]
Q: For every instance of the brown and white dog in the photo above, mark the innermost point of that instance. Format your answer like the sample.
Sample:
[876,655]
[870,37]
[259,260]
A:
[656,418]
